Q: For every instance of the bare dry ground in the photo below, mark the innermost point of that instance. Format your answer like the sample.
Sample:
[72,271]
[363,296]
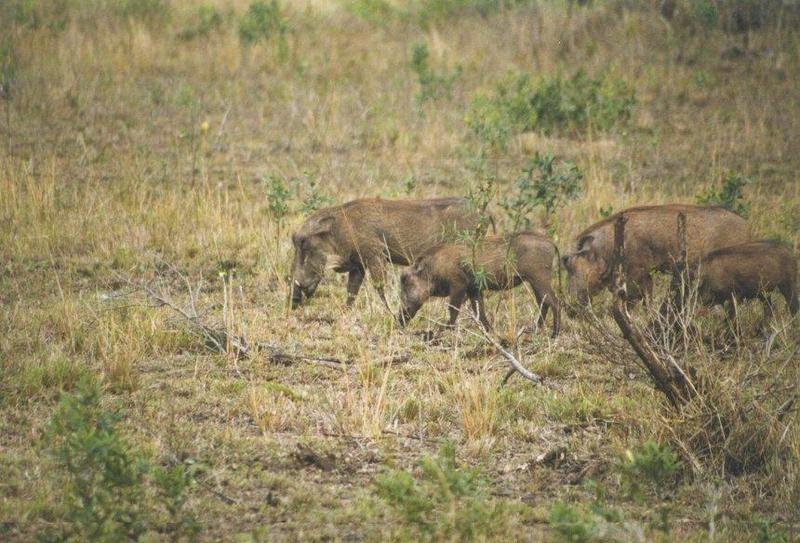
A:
[145,146]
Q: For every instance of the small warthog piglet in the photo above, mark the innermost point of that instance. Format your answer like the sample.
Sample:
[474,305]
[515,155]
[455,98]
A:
[460,271]
[749,270]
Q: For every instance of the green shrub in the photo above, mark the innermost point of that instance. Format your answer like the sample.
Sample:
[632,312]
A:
[33,14]
[205,19]
[445,503]
[263,22]
[730,195]
[277,197]
[652,469]
[377,12]
[706,13]
[429,12]
[152,11]
[107,483]
[56,14]
[570,106]
[543,184]
[432,85]
[309,194]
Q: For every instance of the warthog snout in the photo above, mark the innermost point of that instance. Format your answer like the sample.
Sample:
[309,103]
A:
[300,291]
[407,313]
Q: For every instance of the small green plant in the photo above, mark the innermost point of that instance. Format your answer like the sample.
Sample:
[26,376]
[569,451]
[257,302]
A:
[571,105]
[545,185]
[8,74]
[278,196]
[409,184]
[730,195]
[173,486]
[205,19]
[33,14]
[377,12]
[707,13]
[105,487]
[596,521]
[767,531]
[309,194]
[150,11]
[263,22]
[432,85]
[652,469]
[428,12]
[606,212]
[446,502]
[478,199]
[187,100]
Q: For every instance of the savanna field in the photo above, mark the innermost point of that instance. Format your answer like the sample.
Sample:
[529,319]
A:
[155,158]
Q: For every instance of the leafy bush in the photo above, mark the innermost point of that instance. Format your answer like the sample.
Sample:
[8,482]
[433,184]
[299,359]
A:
[650,469]
[432,85]
[106,494]
[543,184]
[35,14]
[436,11]
[377,12]
[263,22]
[56,14]
[729,196]
[446,503]
[205,19]
[730,15]
[153,11]
[309,194]
[277,197]
[706,13]
[566,106]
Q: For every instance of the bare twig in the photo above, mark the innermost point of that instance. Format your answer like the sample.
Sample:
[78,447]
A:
[517,366]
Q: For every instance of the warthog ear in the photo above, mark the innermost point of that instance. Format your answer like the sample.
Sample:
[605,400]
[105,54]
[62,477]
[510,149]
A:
[584,241]
[323,226]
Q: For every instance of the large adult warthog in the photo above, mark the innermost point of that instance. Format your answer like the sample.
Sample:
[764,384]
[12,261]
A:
[651,244]
[364,235]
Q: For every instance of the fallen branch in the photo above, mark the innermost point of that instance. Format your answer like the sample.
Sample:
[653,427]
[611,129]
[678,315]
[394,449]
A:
[287,359]
[508,355]
[215,339]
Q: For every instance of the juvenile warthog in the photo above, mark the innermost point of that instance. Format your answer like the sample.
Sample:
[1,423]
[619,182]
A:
[651,244]
[749,270]
[499,263]
[363,235]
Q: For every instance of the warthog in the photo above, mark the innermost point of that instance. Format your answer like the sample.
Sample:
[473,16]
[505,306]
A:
[651,244]
[365,234]
[499,263]
[747,271]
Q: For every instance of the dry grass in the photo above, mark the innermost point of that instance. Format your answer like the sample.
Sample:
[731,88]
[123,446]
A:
[98,188]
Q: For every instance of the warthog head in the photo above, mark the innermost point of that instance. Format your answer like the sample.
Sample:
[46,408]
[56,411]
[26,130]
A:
[311,244]
[415,289]
[587,269]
